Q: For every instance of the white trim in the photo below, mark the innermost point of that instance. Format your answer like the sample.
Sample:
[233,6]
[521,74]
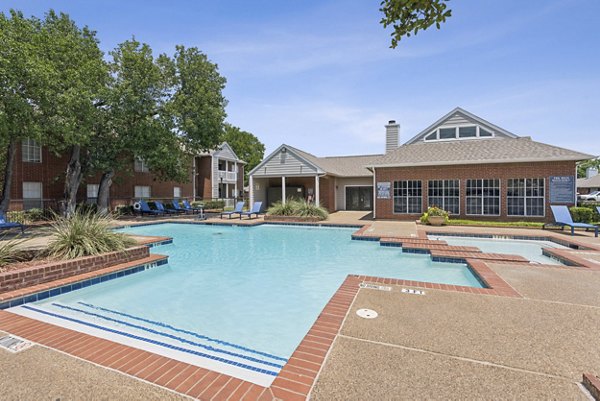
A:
[317,191]
[357,185]
[374,192]
[499,196]
[288,148]
[394,203]
[457,133]
[282,190]
[459,193]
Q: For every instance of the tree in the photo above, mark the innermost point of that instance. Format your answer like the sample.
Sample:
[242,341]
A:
[584,165]
[247,147]
[410,16]
[78,75]
[23,84]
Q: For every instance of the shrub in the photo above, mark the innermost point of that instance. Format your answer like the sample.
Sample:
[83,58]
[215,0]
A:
[282,209]
[16,216]
[123,210]
[592,207]
[85,234]
[214,204]
[434,211]
[9,251]
[305,209]
[35,214]
[582,214]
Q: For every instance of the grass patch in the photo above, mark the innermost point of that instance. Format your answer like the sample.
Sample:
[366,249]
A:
[515,224]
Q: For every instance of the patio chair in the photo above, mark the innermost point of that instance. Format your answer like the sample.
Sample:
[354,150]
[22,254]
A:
[255,210]
[187,206]
[239,208]
[145,208]
[562,217]
[7,225]
[180,209]
[160,206]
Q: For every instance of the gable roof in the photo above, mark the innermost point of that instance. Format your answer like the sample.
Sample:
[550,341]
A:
[592,182]
[494,150]
[339,166]
[459,116]
[224,151]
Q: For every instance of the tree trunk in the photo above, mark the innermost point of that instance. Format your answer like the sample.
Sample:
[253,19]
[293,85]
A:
[104,191]
[72,181]
[8,169]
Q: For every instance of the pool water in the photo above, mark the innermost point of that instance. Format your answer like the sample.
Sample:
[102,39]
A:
[529,249]
[247,294]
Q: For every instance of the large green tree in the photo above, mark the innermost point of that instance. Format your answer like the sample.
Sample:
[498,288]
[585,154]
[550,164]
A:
[24,81]
[78,77]
[408,17]
[247,147]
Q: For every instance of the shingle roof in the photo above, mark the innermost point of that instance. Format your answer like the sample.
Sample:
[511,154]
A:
[593,182]
[478,151]
[343,166]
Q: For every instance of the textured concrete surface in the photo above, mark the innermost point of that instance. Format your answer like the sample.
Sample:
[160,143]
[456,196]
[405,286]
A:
[572,285]
[553,338]
[42,374]
[357,370]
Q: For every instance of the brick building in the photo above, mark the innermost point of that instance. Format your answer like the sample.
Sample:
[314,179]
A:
[38,179]
[461,163]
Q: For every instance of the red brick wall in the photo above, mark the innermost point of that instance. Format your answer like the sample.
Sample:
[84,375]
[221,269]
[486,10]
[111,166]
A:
[384,207]
[51,174]
[10,281]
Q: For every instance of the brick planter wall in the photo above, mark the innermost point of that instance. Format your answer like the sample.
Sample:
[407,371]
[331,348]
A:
[292,219]
[14,280]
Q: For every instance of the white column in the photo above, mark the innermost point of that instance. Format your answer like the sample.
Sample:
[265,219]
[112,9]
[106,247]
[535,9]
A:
[235,188]
[317,195]
[283,189]
[251,194]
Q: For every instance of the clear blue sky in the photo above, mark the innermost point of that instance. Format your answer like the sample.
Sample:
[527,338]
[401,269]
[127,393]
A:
[319,74]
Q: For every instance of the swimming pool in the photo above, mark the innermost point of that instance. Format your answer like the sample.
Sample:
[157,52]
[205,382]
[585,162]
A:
[529,249]
[234,299]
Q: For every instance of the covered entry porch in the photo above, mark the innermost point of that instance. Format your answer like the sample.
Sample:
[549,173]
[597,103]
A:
[315,189]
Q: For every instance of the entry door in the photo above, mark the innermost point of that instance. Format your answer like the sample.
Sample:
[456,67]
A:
[359,198]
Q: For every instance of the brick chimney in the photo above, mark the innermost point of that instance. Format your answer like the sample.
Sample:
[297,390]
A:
[392,136]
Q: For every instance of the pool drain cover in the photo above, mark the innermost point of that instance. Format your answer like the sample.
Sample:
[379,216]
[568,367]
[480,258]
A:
[14,344]
[367,313]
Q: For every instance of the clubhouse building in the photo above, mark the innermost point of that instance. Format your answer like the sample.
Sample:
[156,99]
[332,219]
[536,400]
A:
[461,163]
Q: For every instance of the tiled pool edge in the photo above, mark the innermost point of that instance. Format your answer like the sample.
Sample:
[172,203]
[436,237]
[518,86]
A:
[294,381]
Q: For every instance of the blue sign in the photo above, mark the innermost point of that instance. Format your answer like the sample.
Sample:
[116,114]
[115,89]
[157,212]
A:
[562,189]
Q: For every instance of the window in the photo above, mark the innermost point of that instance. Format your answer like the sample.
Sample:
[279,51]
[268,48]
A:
[31,151]
[483,197]
[141,191]
[407,197]
[447,133]
[176,192]
[445,194]
[525,197]
[467,132]
[32,195]
[92,192]
[140,165]
[464,132]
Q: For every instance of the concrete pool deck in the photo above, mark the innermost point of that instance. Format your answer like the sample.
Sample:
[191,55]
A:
[442,345]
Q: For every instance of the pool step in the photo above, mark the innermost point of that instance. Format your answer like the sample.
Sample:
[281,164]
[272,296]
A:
[456,255]
[400,241]
[190,346]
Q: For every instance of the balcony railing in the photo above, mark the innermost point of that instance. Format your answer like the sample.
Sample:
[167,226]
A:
[228,175]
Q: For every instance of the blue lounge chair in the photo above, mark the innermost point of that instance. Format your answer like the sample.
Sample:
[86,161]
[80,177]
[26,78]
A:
[180,209]
[563,218]
[7,225]
[255,210]
[162,208]
[145,208]
[239,208]
[187,206]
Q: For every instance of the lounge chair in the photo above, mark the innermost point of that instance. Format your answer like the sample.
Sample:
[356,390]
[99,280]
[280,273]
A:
[145,208]
[187,206]
[563,218]
[180,209]
[164,209]
[255,210]
[239,208]
[7,225]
